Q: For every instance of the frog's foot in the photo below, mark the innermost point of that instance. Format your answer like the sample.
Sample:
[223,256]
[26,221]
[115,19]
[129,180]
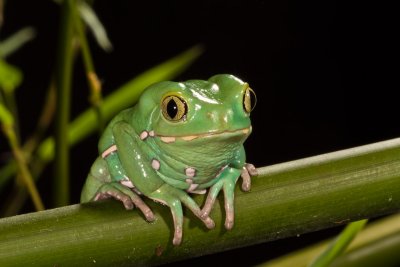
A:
[227,184]
[247,172]
[126,196]
[173,198]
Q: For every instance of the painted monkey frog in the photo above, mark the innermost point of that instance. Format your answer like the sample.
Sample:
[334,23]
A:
[181,138]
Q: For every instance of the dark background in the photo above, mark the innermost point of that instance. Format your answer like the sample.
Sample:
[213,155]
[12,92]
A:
[323,72]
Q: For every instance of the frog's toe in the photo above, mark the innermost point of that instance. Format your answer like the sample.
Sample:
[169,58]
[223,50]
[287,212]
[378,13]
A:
[208,222]
[246,184]
[205,212]
[248,171]
[149,215]
[177,240]
[251,169]
[127,202]
[139,203]
[229,221]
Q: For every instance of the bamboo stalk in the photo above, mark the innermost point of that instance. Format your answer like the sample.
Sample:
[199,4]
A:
[286,199]
[63,86]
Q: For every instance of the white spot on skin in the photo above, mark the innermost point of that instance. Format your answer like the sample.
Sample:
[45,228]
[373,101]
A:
[155,164]
[190,172]
[167,139]
[189,137]
[144,135]
[192,187]
[200,192]
[127,183]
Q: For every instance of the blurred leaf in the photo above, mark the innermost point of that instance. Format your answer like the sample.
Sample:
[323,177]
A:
[122,98]
[10,76]
[89,16]
[15,41]
[339,245]
[7,171]
[367,239]
[6,117]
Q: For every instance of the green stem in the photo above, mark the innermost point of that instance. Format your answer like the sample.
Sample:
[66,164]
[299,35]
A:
[93,81]
[23,168]
[286,200]
[63,85]
[11,104]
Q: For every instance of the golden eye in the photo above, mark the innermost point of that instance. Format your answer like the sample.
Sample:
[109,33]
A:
[249,100]
[174,108]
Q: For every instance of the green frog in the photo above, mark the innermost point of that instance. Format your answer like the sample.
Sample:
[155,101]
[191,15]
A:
[181,138]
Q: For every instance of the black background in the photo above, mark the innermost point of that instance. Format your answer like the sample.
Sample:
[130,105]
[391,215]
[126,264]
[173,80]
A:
[325,73]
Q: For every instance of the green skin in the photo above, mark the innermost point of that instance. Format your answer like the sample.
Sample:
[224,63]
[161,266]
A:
[167,160]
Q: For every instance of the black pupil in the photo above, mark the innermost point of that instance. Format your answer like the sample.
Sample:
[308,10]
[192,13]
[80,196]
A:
[172,108]
[252,99]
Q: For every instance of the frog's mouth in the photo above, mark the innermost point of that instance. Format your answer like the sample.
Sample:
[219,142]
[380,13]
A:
[171,139]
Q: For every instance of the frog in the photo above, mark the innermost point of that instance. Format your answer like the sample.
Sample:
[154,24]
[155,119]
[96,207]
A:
[179,139]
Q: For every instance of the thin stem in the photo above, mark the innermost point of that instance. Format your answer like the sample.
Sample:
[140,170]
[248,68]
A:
[11,104]
[92,78]
[22,167]
[63,85]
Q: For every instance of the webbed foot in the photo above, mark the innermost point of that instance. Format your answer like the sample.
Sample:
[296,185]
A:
[129,198]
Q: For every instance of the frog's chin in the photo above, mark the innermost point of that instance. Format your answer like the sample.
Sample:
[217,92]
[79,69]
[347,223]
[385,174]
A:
[239,132]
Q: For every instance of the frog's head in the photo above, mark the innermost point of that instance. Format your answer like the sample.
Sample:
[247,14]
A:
[195,109]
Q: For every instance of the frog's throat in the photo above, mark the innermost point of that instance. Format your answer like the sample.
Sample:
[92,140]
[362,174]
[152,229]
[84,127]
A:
[171,139]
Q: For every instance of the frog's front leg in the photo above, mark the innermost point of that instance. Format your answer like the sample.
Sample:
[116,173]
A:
[173,197]
[226,181]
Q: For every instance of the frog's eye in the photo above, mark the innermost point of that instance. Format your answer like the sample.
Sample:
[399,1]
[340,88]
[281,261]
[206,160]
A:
[249,100]
[174,108]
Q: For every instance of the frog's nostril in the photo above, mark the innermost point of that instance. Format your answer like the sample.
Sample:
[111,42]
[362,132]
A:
[211,115]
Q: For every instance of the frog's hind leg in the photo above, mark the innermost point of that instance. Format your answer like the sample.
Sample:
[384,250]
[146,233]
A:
[100,186]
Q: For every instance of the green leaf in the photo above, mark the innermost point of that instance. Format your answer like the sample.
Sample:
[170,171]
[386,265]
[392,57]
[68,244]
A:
[14,42]
[339,245]
[126,96]
[92,21]
[10,76]
[6,117]
[365,244]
